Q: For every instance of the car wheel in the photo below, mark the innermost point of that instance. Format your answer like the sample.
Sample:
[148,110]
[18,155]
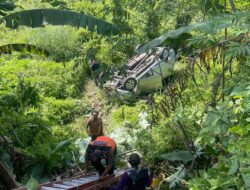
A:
[164,53]
[129,83]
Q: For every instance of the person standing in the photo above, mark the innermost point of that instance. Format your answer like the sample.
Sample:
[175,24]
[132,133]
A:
[94,126]
[136,178]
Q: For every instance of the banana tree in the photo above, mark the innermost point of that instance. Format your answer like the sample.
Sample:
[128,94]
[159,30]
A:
[8,48]
[6,6]
[40,17]
[238,19]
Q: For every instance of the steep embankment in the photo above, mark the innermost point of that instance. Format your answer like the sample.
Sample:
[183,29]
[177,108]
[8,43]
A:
[120,121]
[96,99]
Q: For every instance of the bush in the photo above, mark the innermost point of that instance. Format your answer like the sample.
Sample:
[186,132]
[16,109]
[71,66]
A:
[60,111]
[61,41]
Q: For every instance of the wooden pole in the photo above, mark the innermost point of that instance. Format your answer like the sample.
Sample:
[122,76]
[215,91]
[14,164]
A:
[232,5]
[223,61]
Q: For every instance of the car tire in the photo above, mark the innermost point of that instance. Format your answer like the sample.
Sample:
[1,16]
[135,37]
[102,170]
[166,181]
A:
[164,53]
[129,83]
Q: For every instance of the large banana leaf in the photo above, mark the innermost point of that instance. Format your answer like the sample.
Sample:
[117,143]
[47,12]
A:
[8,48]
[40,17]
[61,145]
[7,6]
[211,26]
[184,156]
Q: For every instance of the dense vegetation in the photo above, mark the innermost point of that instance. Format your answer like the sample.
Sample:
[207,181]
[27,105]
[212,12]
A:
[196,131]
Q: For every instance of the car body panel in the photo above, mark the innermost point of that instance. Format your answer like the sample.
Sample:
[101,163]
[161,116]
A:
[149,83]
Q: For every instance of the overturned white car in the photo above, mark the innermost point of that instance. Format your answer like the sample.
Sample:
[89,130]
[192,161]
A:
[144,72]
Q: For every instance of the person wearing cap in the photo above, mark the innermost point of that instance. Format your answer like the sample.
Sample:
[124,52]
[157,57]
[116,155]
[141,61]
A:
[101,148]
[94,126]
[136,178]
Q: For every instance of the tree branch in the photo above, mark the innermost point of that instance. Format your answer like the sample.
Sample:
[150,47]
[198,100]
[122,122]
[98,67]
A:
[7,176]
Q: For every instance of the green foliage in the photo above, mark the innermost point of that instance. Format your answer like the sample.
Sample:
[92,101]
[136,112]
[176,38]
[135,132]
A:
[155,142]
[52,79]
[60,111]
[27,93]
[50,151]
[32,184]
[5,7]
[41,103]
[57,3]
[9,48]
[5,157]
[238,49]
[184,156]
[175,180]
[125,137]
[54,37]
[242,4]
[212,26]
[30,111]
[109,51]
[40,17]
[226,132]
[82,145]
[126,115]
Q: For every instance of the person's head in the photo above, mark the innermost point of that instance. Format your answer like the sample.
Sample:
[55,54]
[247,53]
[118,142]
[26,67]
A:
[95,114]
[96,156]
[134,160]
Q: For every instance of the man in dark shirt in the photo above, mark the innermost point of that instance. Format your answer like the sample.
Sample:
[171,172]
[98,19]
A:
[101,148]
[136,178]
[94,64]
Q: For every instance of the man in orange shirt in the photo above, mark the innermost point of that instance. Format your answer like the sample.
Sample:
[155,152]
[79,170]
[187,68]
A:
[95,126]
[101,148]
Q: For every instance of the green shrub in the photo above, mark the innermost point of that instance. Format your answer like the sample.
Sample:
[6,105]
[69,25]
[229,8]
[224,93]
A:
[60,111]
[61,41]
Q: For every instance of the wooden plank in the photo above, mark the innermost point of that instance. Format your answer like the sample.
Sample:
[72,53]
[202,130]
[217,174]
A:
[81,182]
[62,186]
[49,188]
[71,183]
[103,184]
[86,182]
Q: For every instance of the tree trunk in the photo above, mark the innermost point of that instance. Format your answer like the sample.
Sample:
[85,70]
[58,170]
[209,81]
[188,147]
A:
[7,177]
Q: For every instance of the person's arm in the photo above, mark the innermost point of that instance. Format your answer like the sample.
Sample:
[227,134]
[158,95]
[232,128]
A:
[88,127]
[107,169]
[124,181]
[101,131]
[149,177]
[111,163]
